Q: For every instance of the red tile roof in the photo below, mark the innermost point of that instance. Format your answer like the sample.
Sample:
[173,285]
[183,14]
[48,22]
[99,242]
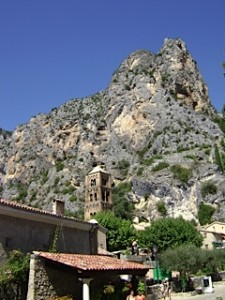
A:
[20,206]
[31,209]
[92,262]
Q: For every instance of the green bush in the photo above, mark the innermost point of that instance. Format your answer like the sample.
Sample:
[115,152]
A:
[190,156]
[207,151]
[67,183]
[17,265]
[149,161]
[22,192]
[141,287]
[44,177]
[221,122]
[218,159]
[161,208]
[59,166]
[204,146]
[207,188]
[121,206]
[160,166]
[205,213]
[123,165]
[182,149]
[109,289]
[73,198]
[181,173]
[140,171]
[69,190]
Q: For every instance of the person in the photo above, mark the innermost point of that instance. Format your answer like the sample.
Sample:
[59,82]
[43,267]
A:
[131,296]
[134,248]
[166,289]
[140,296]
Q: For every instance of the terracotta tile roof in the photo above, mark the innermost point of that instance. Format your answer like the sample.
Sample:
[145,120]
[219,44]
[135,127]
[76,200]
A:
[19,206]
[92,262]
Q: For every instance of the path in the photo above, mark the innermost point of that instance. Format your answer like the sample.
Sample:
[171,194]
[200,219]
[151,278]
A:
[219,291]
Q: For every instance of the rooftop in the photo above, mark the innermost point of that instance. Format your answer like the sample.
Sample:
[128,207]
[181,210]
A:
[92,262]
[98,169]
[26,208]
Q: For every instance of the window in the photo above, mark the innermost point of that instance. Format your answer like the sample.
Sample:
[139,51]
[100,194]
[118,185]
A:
[93,182]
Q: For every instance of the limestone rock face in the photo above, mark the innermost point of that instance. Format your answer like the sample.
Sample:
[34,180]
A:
[152,126]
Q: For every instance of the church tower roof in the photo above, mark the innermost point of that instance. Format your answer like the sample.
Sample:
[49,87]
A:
[98,169]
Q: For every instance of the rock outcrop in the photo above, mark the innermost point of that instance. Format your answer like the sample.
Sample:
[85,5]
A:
[154,126]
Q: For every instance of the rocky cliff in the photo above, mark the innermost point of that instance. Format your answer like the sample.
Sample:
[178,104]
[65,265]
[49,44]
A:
[154,126]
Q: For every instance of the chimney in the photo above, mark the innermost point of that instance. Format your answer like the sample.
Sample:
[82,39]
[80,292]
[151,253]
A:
[58,207]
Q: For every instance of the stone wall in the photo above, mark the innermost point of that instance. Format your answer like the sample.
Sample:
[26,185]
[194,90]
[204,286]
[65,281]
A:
[45,281]
[27,235]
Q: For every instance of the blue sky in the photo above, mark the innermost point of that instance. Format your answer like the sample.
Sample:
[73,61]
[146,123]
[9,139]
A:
[55,50]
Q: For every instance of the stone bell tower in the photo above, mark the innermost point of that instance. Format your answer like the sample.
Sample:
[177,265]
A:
[98,192]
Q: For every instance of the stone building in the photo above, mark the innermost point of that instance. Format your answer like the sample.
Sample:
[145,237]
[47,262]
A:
[60,274]
[31,229]
[98,192]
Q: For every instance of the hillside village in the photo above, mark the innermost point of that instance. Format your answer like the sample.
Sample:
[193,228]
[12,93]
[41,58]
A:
[153,129]
[52,238]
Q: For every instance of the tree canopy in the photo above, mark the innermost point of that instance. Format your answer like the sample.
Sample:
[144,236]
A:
[121,206]
[120,232]
[189,259]
[17,265]
[170,233]
[184,258]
